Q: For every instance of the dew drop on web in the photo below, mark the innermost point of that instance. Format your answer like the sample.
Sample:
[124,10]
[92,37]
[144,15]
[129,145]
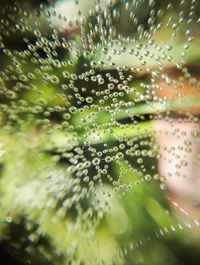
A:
[99,129]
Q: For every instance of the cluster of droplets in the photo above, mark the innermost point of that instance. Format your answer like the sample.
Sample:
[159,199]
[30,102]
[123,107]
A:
[92,89]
